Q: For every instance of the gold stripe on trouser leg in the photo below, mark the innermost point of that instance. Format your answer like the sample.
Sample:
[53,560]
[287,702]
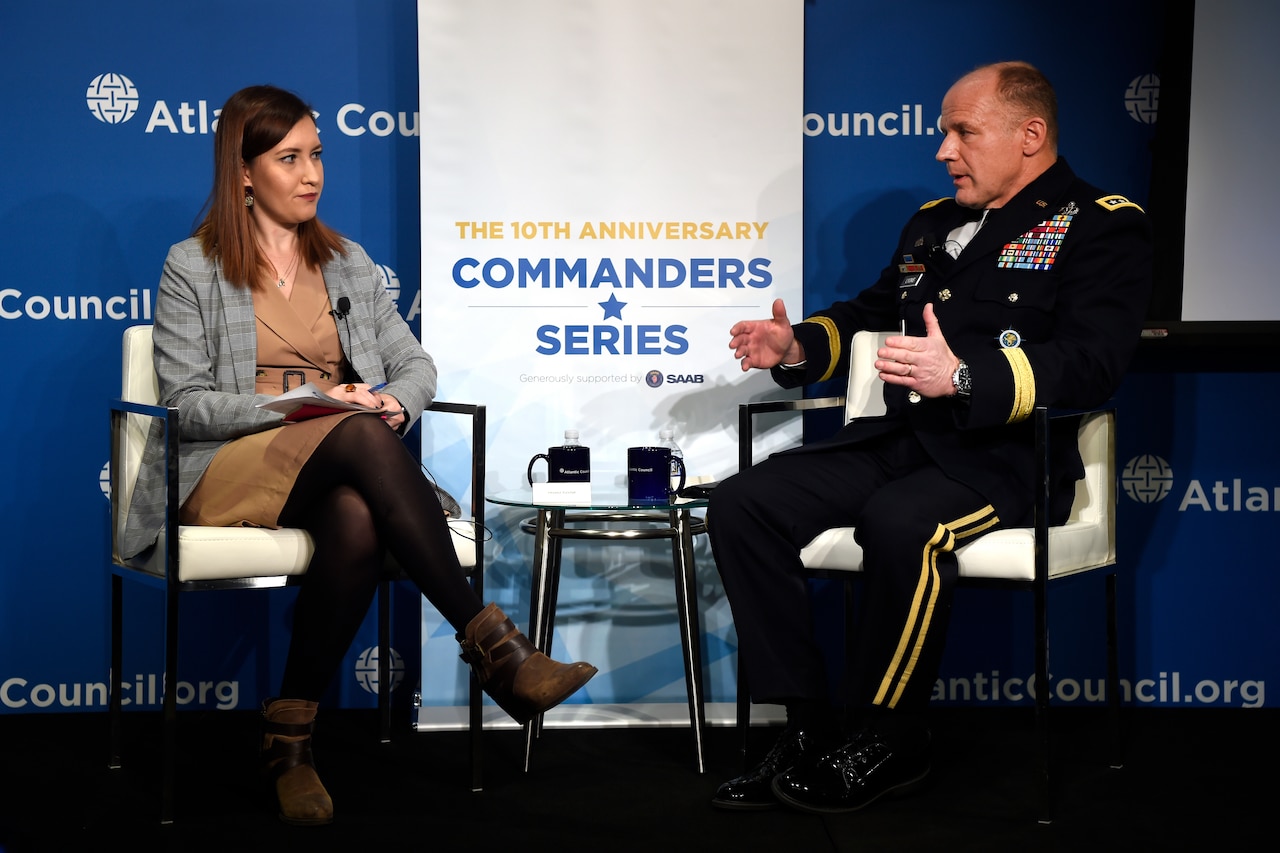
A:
[916,628]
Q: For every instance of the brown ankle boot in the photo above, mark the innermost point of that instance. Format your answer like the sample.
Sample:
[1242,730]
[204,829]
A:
[286,759]
[521,679]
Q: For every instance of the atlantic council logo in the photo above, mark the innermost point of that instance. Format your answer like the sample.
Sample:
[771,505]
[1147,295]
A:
[1147,479]
[653,378]
[112,98]
[391,282]
[367,669]
[1142,98]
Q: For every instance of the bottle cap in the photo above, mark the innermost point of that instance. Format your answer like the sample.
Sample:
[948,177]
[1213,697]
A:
[664,434]
[571,433]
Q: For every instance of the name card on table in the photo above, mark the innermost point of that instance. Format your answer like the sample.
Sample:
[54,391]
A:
[568,494]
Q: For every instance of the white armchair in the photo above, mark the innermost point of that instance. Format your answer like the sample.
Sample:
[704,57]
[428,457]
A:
[1027,559]
[192,558]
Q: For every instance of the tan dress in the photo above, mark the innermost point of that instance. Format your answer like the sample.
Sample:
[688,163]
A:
[250,478]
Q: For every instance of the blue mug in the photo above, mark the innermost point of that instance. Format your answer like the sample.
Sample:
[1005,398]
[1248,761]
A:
[567,464]
[649,475]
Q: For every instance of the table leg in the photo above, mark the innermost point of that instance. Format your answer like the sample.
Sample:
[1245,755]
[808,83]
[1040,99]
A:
[690,630]
[538,589]
[537,597]
[542,602]
[551,589]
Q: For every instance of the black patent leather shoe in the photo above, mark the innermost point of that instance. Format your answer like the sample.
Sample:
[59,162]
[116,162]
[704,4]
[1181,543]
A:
[752,790]
[856,775]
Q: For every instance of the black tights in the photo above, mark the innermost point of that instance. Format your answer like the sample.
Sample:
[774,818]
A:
[360,495]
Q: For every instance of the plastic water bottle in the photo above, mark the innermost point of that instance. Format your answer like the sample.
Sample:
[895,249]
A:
[575,459]
[666,439]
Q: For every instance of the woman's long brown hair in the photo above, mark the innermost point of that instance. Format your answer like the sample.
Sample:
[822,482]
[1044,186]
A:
[253,121]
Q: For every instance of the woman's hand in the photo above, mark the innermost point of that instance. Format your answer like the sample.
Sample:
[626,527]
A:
[365,395]
[393,411]
[357,392]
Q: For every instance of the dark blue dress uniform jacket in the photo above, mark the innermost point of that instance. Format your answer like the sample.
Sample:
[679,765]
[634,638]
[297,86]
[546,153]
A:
[1062,272]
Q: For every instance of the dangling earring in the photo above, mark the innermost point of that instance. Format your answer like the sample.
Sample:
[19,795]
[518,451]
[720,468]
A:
[248,196]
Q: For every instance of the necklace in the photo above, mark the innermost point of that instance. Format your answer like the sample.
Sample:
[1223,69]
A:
[280,279]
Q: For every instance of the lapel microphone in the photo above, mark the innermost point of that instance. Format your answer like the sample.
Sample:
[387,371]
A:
[340,313]
[936,257]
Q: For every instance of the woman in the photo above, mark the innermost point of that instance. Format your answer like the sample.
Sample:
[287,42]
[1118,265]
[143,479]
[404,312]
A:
[245,310]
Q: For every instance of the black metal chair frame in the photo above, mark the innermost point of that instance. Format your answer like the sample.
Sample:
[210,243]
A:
[173,588]
[1037,587]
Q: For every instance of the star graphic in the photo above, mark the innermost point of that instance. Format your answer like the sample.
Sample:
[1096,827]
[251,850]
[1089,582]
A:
[613,308]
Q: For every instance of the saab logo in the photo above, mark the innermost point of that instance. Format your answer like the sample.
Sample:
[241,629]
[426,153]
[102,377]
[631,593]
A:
[1147,479]
[653,378]
[112,98]
[675,378]
[1142,98]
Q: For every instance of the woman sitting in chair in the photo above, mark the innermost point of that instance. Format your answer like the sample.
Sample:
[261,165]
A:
[264,298]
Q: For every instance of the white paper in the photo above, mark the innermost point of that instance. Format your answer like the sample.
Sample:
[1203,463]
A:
[310,395]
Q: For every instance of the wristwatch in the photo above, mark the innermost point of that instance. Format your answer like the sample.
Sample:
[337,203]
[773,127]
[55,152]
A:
[962,380]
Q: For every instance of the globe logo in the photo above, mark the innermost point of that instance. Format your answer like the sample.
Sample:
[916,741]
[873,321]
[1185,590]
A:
[1142,97]
[653,378]
[391,282]
[1147,479]
[367,669]
[104,481]
[112,98]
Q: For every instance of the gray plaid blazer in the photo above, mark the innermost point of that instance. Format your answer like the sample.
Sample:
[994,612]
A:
[205,346]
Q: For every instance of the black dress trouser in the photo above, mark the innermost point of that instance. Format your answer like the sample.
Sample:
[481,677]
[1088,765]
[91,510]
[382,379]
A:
[909,518]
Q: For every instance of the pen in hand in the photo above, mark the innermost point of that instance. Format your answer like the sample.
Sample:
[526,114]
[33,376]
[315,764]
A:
[373,389]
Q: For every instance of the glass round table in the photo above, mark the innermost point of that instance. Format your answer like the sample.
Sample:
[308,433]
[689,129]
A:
[610,516]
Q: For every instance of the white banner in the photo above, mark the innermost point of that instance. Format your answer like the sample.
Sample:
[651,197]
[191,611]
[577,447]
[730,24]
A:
[607,186]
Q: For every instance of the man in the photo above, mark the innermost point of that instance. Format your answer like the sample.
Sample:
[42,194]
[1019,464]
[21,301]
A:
[1029,287]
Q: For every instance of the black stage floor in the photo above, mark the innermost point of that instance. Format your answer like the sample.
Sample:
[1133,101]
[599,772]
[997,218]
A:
[1193,780]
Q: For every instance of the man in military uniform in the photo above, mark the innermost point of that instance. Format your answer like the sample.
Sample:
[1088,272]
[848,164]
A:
[1028,287]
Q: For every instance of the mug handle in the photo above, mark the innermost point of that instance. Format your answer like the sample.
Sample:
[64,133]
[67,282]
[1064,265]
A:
[532,462]
[679,462]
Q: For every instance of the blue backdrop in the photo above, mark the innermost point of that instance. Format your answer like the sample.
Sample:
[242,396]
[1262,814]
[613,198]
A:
[107,149]
[108,127]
